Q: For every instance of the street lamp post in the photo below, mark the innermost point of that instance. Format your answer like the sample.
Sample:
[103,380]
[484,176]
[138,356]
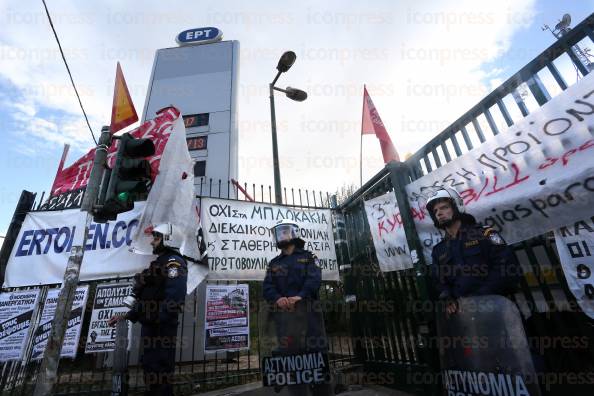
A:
[285,62]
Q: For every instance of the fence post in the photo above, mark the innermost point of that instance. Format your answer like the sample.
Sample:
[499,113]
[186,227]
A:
[119,386]
[24,205]
[346,271]
[399,172]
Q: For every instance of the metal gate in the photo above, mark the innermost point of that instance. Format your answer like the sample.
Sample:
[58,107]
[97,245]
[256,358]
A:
[395,340]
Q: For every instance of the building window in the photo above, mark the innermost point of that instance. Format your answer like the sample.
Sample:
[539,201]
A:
[196,120]
[199,168]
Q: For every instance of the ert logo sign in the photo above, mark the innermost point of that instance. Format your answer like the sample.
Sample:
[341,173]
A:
[199,36]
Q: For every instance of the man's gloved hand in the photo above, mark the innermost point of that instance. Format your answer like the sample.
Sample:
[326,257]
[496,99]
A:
[451,304]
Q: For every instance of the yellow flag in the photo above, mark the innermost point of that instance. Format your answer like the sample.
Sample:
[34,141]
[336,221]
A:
[123,112]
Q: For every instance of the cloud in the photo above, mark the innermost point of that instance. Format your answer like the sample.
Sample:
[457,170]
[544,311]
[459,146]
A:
[423,63]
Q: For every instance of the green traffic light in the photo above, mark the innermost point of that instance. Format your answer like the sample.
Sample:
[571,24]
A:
[123,196]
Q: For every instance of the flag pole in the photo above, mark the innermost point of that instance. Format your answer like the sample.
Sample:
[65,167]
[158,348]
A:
[60,166]
[361,144]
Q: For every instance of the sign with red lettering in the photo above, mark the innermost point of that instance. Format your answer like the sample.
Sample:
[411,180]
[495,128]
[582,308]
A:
[385,225]
[535,177]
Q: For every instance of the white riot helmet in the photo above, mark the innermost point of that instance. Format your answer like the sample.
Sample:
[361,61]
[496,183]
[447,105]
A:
[172,237]
[445,194]
[285,232]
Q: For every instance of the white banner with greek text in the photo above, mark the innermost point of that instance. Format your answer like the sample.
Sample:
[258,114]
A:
[240,244]
[389,240]
[534,177]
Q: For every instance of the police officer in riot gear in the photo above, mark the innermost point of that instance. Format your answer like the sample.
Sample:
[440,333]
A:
[159,292]
[291,286]
[471,260]
[293,275]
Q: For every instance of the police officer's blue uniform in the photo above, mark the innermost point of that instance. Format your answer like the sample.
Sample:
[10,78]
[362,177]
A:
[295,275]
[477,262]
[159,302]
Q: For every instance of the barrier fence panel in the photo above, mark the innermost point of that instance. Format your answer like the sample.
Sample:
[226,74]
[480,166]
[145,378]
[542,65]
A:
[195,370]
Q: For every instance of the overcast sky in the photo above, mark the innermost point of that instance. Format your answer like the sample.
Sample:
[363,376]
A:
[424,62]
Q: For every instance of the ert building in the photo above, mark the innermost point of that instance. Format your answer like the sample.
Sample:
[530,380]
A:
[199,77]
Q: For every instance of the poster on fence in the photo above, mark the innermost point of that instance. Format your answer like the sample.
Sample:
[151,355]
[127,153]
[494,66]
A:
[16,312]
[240,243]
[227,313]
[109,301]
[575,244]
[74,325]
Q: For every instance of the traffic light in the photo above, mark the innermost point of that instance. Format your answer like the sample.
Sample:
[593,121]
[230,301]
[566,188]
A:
[129,180]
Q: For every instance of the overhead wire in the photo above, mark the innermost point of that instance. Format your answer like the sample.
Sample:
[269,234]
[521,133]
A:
[68,70]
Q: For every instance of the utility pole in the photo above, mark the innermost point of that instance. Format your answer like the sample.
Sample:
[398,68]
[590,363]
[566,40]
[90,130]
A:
[51,357]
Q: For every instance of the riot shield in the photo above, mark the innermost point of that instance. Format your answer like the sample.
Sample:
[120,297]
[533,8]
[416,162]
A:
[483,349]
[294,349]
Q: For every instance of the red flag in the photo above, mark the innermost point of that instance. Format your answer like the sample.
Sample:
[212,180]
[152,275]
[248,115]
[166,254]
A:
[123,112]
[76,176]
[372,123]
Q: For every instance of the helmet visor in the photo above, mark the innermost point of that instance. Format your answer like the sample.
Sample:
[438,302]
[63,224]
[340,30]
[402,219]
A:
[285,233]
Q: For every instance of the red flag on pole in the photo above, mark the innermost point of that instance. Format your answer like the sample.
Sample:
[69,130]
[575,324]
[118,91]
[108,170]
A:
[372,124]
[123,112]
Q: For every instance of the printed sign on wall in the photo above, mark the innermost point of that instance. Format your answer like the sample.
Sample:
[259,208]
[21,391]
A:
[16,311]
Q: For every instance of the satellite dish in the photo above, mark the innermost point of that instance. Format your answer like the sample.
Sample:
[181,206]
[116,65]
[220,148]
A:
[564,22]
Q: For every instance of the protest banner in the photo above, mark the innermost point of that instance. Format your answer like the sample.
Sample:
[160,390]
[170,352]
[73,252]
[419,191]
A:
[391,247]
[240,243]
[40,254]
[532,178]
